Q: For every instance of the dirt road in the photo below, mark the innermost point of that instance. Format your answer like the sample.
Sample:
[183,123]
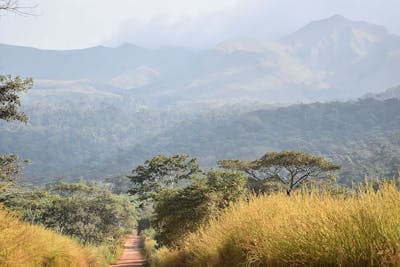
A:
[132,256]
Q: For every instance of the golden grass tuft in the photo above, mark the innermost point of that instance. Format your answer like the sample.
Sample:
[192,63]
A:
[306,229]
[22,244]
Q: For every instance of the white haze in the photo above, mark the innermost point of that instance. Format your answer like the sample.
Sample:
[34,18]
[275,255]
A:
[66,24]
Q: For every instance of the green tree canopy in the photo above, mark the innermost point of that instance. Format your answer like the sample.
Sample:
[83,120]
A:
[182,210]
[162,172]
[10,101]
[10,87]
[88,213]
[289,168]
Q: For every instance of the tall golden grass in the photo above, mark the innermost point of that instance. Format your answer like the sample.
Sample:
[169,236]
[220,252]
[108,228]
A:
[22,244]
[306,229]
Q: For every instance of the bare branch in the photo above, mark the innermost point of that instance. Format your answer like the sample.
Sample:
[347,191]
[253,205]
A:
[13,6]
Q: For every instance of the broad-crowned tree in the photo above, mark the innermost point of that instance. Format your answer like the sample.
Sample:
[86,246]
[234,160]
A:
[289,168]
[162,172]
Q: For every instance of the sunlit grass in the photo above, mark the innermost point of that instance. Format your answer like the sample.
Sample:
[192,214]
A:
[22,244]
[306,229]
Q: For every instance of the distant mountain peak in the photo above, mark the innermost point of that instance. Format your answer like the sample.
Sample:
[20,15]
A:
[393,92]
[337,18]
[337,23]
[333,42]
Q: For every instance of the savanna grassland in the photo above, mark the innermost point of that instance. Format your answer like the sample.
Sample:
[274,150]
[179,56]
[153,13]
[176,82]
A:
[23,244]
[305,229]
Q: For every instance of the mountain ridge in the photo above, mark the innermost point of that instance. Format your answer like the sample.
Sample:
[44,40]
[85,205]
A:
[333,58]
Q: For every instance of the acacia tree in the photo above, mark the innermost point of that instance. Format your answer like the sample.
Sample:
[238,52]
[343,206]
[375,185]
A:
[161,172]
[290,168]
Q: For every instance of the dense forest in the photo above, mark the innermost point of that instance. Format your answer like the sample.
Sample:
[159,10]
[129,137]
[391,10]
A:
[100,140]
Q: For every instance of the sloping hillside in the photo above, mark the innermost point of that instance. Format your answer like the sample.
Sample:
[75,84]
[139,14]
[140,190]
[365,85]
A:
[334,58]
[363,136]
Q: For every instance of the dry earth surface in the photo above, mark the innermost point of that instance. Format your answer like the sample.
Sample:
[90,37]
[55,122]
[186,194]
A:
[132,255]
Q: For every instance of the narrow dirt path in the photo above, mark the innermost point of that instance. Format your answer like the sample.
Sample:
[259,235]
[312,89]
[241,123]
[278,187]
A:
[132,256]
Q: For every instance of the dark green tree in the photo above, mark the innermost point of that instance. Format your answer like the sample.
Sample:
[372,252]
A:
[229,186]
[179,211]
[162,172]
[10,88]
[289,168]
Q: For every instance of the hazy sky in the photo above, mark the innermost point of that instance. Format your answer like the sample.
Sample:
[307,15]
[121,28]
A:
[66,24]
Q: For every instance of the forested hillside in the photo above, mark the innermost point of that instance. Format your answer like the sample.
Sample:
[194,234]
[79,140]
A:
[362,135]
[107,138]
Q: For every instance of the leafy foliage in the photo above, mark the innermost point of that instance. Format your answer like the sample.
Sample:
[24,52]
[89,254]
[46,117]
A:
[179,211]
[10,87]
[10,165]
[90,214]
[100,139]
[361,136]
[290,168]
[162,172]
[228,186]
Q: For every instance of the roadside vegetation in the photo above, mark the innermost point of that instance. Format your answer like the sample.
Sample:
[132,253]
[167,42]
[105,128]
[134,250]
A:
[283,209]
[23,244]
[306,229]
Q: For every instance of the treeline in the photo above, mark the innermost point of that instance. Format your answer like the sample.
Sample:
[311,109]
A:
[101,139]
[361,136]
